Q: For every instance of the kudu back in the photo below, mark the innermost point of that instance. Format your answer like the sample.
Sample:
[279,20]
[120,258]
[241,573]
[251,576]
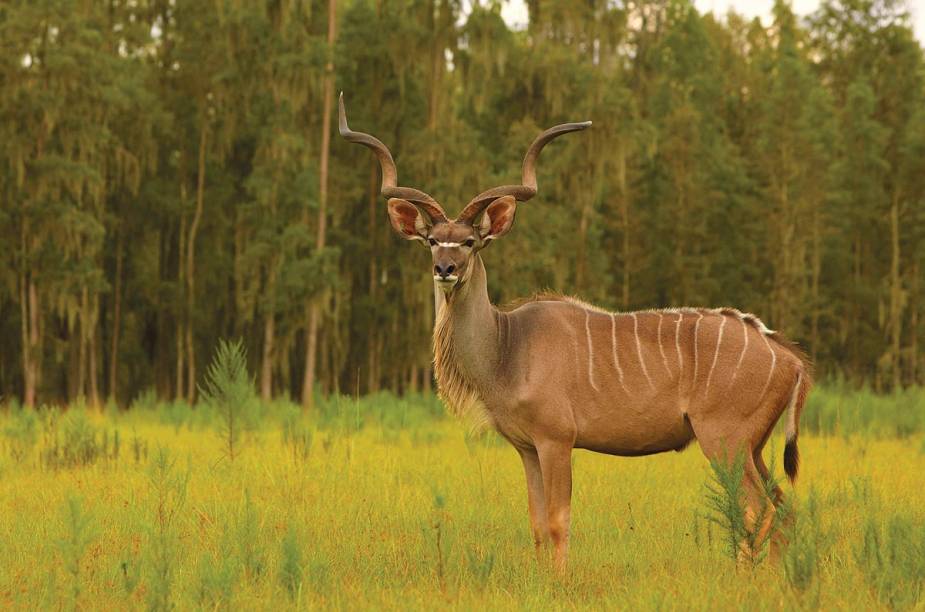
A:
[555,373]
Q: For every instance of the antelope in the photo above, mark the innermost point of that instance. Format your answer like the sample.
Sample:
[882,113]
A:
[556,374]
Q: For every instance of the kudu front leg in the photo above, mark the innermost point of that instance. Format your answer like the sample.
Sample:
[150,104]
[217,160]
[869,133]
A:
[536,498]
[556,466]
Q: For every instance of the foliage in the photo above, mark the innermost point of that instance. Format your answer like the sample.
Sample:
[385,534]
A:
[21,433]
[725,500]
[229,390]
[80,532]
[807,549]
[837,409]
[290,571]
[74,439]
[167,498]
[892,557]
[160,179]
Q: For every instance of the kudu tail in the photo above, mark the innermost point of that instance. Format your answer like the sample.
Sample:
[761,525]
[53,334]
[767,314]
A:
[794,409]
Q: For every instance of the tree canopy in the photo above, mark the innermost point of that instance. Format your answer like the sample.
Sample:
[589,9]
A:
[165,180]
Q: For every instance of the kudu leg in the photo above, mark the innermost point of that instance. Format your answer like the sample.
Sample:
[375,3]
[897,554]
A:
[760,510]
[779,536]
[536,497]
[556,466]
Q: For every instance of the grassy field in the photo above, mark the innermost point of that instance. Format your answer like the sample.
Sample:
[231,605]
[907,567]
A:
[383,503]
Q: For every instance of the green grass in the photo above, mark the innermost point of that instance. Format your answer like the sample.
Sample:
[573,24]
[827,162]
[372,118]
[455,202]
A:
[384,503]
[835,409]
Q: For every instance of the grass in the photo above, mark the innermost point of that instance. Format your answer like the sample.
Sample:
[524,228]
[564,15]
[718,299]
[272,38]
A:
[383,503]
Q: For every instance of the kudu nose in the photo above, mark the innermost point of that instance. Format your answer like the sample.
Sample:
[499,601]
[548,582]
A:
[443,271]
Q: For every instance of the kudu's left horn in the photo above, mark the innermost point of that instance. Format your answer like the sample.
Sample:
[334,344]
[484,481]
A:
[527,188]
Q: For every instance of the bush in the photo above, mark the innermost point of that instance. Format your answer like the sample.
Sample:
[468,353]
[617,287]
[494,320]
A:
[892,559]
[21,433]
[726,507]
[73,440]
[79,534]
[802,560]
[298,434]
[290,571]
[229,390]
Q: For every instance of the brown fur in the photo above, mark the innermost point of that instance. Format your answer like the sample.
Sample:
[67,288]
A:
[780,339]
[455,389]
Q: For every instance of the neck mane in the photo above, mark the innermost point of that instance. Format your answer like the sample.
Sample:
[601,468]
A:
[466,347]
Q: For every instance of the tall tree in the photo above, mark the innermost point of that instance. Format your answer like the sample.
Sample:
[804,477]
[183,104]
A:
[314,311]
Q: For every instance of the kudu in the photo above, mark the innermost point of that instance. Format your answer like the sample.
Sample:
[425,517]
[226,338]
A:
[556,374]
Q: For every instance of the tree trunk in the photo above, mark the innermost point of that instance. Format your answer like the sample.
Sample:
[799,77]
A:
[181,312]
[896,296]
[26,300]
[314,311]
[372,372]
[854,322]
[624,221]
[35,338]
[266,371]
[93,349]
[581,263]
[28,387]
[375,337]
[269,340]
[680,256]
[816,275]
[191,267]
[116,319]
[238,279]
[914,325]
[80,390]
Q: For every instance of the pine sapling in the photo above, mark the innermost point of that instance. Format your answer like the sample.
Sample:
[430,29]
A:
[230,390]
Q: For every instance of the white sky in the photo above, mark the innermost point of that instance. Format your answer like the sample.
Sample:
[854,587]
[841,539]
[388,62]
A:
[515,11]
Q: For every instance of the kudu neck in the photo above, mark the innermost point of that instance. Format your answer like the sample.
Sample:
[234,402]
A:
[473,324]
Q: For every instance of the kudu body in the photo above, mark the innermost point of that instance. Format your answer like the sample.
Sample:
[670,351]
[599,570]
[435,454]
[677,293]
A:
[556,374]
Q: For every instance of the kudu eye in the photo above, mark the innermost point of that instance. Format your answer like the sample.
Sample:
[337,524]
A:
[470,243]
[432,242]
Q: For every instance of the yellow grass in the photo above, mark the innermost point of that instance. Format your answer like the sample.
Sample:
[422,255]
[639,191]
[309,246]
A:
[366,509]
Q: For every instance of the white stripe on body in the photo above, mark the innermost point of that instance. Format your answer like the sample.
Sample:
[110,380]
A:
[696,352]
[719,339]
[677,344]
[613,345]
[661,349]
[590,352]
[744,348]
[639,349]
[771,372]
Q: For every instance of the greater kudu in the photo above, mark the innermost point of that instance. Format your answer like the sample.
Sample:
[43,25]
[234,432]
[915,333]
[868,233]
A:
[556,374]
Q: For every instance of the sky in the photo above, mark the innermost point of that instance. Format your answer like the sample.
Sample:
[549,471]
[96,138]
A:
[514,12]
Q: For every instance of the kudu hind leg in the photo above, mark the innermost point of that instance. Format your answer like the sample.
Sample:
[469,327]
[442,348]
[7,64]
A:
[536,497]
[556,466]
[759,508]
[784,513]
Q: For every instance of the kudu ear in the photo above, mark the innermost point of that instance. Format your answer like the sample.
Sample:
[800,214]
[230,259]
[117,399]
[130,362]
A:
[498,218]
[408,220]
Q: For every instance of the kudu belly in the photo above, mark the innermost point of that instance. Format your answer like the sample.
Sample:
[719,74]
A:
[629,430]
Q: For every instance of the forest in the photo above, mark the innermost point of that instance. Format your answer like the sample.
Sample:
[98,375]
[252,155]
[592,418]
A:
[171,175]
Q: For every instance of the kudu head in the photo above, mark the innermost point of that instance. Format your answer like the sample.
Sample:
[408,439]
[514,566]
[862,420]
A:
[453,242]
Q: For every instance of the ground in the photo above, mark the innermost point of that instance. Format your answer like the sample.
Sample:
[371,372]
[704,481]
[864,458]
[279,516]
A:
[363,512]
